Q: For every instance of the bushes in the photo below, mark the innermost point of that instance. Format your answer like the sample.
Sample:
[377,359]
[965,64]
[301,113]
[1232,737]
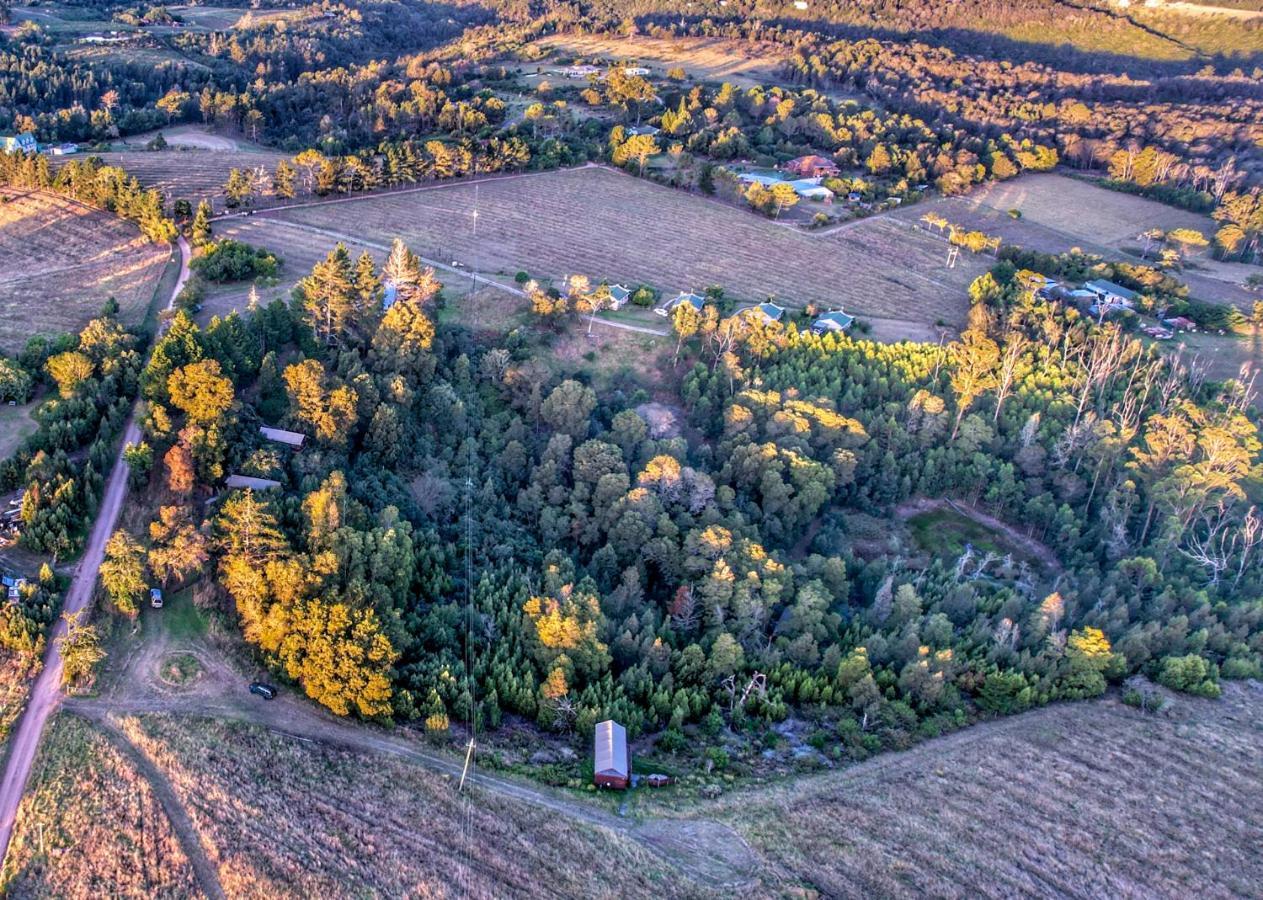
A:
[1191,674]
[228,260]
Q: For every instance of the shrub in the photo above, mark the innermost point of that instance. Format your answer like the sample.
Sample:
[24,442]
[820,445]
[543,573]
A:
[1190,674]
[228,260]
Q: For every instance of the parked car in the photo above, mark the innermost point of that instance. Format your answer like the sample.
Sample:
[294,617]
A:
[155,598]
[266,691]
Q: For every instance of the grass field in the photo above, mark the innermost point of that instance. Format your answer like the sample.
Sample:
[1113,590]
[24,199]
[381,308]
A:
[15,425]
[60,261]
[1075,800]
[370,826]
[1078,800]
[191,174]
[609,225]
[705,59]
[1060,212]
[90,826]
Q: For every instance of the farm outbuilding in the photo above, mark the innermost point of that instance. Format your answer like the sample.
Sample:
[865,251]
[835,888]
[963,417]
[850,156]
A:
[250,483]
[812,166]
[281,436]
[611,761]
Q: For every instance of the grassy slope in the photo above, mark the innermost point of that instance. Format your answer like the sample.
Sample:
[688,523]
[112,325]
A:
[1077,800]
[90,826]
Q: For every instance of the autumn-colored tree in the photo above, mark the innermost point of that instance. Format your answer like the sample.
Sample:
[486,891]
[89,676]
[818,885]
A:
[179,549]
[123,572]
[70,371]
[328,411]
[974,371]
[201,391]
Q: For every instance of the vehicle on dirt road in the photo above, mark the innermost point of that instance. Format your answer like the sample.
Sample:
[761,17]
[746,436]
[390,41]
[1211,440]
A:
[266,691]
[155,598]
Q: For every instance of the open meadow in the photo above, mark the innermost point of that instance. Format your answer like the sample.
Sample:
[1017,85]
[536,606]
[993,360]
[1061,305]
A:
[1059,212]
[1074,800]
[611,226]
[274,817]
[60,261]
[94,826]
[1077,800]
[194,173]
[705,59]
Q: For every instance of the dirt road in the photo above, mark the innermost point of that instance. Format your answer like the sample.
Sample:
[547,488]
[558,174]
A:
[46,692]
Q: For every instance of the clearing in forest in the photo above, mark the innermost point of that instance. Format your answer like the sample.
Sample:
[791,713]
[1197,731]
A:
[60,261]
[743,64]
[612,226]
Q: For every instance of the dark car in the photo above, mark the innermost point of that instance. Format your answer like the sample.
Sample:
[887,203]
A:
[266,691]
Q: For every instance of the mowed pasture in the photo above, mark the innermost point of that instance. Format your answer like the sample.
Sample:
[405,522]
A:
[192,174]
[60,261]
[612,226]
[282,818]
[1059,212]
[1077,800]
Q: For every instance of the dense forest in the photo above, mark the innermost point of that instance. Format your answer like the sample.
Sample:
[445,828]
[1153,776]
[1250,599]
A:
[725,576]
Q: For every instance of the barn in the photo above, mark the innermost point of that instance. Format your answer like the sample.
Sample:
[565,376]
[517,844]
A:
[612,764]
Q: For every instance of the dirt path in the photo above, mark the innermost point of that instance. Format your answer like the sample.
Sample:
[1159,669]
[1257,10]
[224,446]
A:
[46,692]
[203,869]
[1026,543]
[708,852]
[437,265]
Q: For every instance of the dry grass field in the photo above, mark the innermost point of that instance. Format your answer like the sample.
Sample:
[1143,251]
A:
[60,261]
[610,225]
[1078,800]
[190,174]
[1083,211]
[283,818]
[15,425]
[705,59]
[90,826]
[1059,212]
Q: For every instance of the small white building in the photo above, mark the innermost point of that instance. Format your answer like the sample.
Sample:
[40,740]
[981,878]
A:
[249,483]
[281,436]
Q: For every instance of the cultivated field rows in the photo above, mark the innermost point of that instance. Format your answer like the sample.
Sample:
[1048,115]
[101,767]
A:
[612,226]
[1081,800]
[308,821]
[191,175]
[60,261]
[1059,213]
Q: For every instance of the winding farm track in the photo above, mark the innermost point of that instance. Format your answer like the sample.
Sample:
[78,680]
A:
[46,692]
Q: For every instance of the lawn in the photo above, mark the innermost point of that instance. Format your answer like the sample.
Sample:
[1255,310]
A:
[60,261]
[612,226]
[16,425]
